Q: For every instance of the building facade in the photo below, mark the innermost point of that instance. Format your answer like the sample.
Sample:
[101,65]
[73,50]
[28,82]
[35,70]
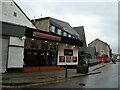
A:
[82,50]
[91,55]
[13,22]
[102,48]
[44,44]
[54,43]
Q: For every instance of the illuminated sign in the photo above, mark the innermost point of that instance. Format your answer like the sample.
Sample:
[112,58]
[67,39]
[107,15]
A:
[68,52]
[46,36]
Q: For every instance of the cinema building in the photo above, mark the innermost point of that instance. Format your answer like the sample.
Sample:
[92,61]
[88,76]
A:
[45,44]
[52,44]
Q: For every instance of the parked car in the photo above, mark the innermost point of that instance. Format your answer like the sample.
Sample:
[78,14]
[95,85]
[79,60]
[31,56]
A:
[113,61]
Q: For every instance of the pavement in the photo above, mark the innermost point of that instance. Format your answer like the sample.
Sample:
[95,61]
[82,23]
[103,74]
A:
[46,76]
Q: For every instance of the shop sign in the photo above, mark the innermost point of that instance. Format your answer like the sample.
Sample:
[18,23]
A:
[46,36]
[68,52]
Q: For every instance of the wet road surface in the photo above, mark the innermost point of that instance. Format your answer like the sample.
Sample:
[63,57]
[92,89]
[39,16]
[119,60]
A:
[107,79]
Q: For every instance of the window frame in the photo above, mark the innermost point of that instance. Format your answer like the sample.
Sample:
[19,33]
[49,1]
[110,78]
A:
[52,29]
[69,35]
[64,34]
[58,31]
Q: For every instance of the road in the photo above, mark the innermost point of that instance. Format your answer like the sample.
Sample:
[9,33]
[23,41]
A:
[107,79]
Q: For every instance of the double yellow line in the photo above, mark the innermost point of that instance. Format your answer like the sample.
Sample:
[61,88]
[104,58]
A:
[37,84]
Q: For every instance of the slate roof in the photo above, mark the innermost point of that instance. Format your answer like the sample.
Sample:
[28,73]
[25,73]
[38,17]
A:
[80,31]
[66,26]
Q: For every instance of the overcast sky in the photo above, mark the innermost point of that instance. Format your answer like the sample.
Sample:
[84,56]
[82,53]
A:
[100,19]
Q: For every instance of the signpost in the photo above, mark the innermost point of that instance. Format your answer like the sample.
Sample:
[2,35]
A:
[67,58]
[66,72]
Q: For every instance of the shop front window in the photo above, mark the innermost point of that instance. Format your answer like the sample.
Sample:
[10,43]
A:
[44,46]
[53,47]
[34,45]
[40,58]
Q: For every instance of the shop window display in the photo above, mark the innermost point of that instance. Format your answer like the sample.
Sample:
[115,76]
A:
[44,46]
[34,45]
[53,47]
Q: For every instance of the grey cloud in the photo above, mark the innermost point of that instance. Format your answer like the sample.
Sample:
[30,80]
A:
[107,11]
[87,8]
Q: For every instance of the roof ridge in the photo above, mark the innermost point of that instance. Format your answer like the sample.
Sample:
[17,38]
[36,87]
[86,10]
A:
[99,40]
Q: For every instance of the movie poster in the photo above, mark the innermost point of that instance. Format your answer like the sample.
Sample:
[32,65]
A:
[68,58]
[61,59]
[74,59]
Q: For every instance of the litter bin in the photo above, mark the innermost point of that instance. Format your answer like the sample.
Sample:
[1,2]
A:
[82,69]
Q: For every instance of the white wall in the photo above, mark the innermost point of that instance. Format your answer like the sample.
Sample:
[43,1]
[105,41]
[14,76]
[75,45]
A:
[8,9]
[16,41]
[0,11]
[61,48]
[16,53]
[15,59]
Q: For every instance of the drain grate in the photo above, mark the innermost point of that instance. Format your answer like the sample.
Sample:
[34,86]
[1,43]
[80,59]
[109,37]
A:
[82,84]
[59,77]
[41,78]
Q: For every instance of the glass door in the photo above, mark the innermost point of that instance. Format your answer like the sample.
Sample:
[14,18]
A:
[45,57]
[51,58]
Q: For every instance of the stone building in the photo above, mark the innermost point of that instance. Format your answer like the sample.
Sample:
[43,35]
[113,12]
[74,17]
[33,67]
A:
[102,48]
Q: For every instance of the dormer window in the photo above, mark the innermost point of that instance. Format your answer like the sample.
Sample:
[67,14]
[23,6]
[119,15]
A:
[73,37]
[59,31]
[64,34]
[69,35]
[52,29]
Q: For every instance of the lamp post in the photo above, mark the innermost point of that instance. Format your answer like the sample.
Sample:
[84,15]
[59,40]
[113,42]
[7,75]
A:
[66,72]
